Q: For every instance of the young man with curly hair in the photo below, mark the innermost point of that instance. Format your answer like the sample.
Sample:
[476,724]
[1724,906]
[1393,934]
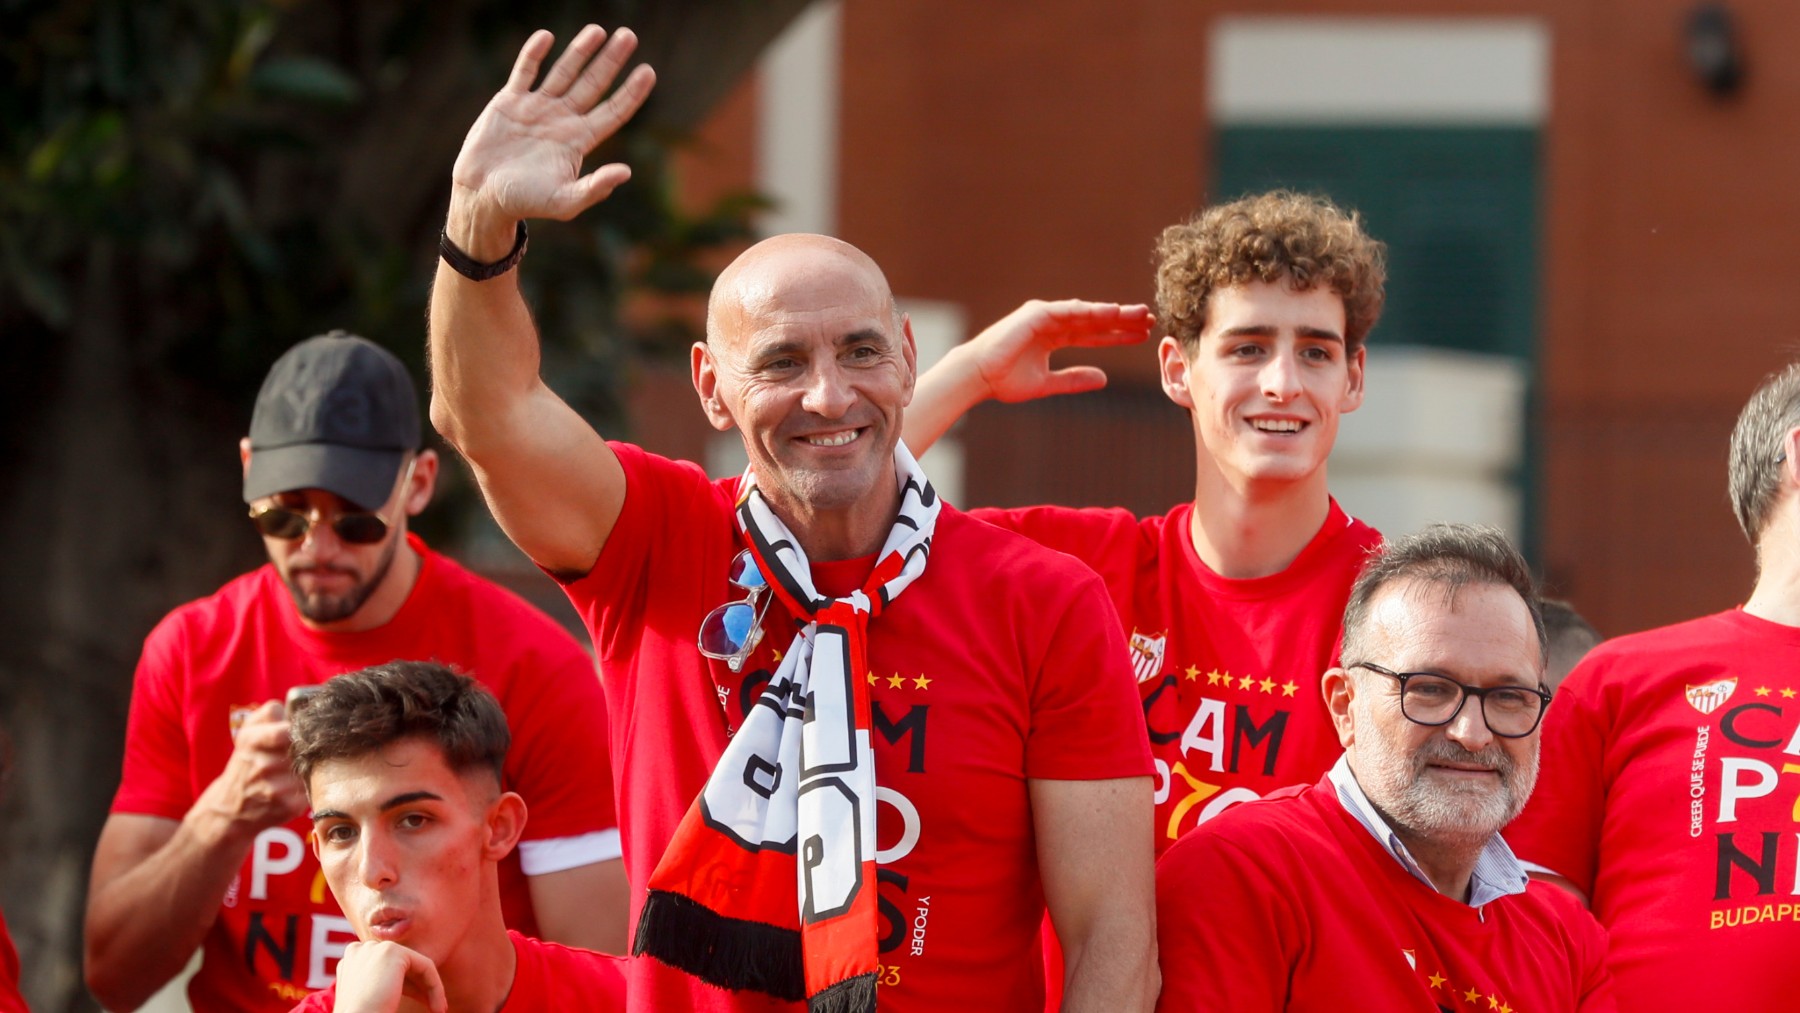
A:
[1232,602]
[402,764]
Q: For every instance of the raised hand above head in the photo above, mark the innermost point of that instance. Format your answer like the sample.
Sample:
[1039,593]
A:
[522,158]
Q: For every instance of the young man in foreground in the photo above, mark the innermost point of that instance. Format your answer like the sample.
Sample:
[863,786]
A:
[402,765]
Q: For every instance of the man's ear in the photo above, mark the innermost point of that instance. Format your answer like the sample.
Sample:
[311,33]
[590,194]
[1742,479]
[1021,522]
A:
[706,384]
[244,454]
[505,824]
[1353,397]
[423,484]
[1790,449]
[1174,367]
[1339,691]
[909,348]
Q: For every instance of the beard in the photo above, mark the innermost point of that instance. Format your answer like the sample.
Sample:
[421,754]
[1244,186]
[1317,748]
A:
[1397,783]
[320,607]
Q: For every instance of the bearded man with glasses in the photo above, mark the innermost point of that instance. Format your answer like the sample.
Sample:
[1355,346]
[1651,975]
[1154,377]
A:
[1387,885]
[205,844]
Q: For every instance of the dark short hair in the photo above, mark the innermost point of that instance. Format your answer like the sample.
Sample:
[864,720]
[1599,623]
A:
[1755,465]
[1450,556]
[359,712]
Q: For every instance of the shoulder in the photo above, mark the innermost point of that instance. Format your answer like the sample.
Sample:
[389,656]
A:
[982,552]
[223,611]
[1716,639]
[1272,833]
[500,608]
[593,973]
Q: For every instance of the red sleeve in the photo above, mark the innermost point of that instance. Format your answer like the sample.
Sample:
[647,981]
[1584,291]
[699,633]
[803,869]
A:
[1588,950]
[155,780]
[662,497]
[559,759]
[10,999]
[1224,933]
[1086,722]
[1560,827]
[1109,541]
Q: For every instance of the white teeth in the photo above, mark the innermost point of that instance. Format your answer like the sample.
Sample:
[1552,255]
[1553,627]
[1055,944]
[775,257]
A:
[1277,425]
[836,440]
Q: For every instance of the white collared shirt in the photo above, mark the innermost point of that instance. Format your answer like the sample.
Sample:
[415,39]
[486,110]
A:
[1498,872]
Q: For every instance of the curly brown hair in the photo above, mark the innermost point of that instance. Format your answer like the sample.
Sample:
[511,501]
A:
[1304,239]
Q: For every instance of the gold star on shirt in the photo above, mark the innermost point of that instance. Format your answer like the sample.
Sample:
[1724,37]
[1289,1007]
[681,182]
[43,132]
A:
[921,682]
[1762,691]
[1267,685]
[1471,995]
[871,678]
[1192,673]
[1287,688]
[1244,683]
[1504,1008]
[777,657]
[1493,1003]
[1788,693]
[1213,677]
[1437,981]
[895,681]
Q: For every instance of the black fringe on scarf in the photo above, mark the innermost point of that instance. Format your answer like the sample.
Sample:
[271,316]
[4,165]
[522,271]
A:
[852,995]
[728,952]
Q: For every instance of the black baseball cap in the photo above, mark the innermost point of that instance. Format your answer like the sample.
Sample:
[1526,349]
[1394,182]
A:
[336,412]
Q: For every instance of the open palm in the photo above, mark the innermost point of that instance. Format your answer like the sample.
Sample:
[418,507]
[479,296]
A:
[522,158]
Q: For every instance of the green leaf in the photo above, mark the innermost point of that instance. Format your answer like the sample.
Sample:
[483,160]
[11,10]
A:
[306,78]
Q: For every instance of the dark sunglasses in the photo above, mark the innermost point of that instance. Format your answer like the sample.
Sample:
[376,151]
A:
[354,528]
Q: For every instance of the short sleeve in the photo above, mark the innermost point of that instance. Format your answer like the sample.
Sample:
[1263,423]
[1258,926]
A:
[1224,933]
[559,760]
[1560,827]
[155,779]
[1086,722]
[318,1002]
[662,499]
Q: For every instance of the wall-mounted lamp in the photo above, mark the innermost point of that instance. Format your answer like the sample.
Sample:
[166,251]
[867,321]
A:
[1712,48]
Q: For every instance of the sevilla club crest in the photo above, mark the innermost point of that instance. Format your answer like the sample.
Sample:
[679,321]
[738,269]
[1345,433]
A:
[1710,696]
[1147,655]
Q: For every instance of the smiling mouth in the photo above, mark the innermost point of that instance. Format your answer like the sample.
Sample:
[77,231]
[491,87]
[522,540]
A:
[1277,425]
[833,439]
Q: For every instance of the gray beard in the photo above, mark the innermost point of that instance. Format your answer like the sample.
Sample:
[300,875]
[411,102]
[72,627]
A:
[329,608]
[1396,784]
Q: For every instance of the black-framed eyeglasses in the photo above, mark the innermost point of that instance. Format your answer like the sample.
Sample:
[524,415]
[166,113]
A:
[1433,700]
[731,631]
[353,527]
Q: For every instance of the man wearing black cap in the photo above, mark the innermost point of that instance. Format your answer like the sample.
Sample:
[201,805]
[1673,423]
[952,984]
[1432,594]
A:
[205,846]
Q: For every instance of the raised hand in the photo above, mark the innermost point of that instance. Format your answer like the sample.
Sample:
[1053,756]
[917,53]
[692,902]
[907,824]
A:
[522,158]
[257,788]
[1012,356]
[375,977]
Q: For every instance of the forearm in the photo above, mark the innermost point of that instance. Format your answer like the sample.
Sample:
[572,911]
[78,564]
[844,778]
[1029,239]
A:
[144,924]
[943,394]
[484,351]
[1113,967]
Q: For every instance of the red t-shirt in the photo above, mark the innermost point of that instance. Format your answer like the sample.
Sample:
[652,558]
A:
[1002,662]
[1228,669]
[208,663]
[10,999]
[1291,904]
[1667,795]
[549,978]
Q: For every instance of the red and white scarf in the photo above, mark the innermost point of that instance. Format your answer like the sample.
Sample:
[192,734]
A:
[769,882]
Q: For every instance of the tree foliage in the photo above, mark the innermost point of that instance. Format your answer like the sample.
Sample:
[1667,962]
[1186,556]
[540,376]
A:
[187,187]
